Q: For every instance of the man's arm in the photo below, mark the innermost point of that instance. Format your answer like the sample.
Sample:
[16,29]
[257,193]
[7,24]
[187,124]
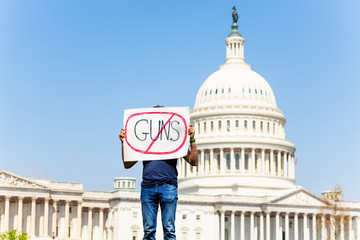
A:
[127,165]
[192,156]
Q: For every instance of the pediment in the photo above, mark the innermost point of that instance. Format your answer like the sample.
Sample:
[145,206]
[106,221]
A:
[11,180]
[299,197]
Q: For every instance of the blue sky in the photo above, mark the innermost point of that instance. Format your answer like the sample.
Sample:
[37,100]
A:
[69,69]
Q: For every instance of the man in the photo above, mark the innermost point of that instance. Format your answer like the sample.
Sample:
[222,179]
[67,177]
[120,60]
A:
[159,187]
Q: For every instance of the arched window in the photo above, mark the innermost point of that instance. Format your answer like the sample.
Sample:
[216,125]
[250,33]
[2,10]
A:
[198,129]
[212,126]
[256,162]
[228,125]
[219,125]
[262,127]
[245,124]
[204,127]
[237,124]
[218,161]
[246,162]
[268,127]
[228,161]
[237,161]
[254,125]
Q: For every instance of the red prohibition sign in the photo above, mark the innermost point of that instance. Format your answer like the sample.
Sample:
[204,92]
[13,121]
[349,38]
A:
[147,151]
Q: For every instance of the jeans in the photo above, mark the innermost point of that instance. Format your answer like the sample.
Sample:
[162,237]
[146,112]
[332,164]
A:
[166,195]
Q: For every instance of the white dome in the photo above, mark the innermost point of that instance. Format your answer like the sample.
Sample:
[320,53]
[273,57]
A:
[235,85]
[240,133]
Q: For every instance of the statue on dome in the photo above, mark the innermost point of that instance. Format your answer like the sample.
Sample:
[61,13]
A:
[234,15]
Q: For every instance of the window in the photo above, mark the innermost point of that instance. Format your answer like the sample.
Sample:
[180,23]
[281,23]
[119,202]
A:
[245,124]
[198,217]
[237,124]
[198,235]
[135,214]
[261,92]
[184,236]
[243,90]
[199,128]
[249,90]
[256,162]
[205,92]
[216,91]
[184,216]
[255,91]
[246,162]
[268,127]
[219,125]
[218,161]
[204,127]
[212,126]
[210,92]
[254,125]
[134,235]
[228,125]
[274,128]
[261,126]
[229,90]
[228,161]
[222,90]
[237,162]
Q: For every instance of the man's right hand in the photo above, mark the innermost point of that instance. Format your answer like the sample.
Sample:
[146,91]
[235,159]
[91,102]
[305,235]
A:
[122,135]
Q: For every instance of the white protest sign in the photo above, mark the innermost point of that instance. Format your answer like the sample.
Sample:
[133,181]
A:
[156,133]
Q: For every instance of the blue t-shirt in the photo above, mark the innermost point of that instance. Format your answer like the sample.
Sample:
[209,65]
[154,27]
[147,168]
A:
[159,172]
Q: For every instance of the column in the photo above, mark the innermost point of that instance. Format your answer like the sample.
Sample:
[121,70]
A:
[242,225]
[342,228]
[332,227]
[262,161]
[222,165]
[232,234]
[305,227]
[277,226]
[242,160]
[67,203]
[261,226]
[202,162]
[296,226]
[46,217]
[101,223]
[212,169]
[232,161]
[287,226]
[222,225]
[79,220]
[357,228]
[268,226]
[7,213]
[279,163]
[33,216]
[314,230]
[252,162]
[20,213]
[188,171]
[323,227]
[286,174]
[54,218]
[272,163]
[90,224]
[351,235]
[251,225]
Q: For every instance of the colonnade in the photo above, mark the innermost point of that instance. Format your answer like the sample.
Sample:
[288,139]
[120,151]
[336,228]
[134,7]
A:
[44,212]
[269,225]
[267,162]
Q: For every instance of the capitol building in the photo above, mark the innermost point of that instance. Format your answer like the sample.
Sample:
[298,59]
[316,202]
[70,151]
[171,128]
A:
[244,187]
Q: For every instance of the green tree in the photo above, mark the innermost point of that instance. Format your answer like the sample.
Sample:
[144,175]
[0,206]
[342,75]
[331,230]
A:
[13,235]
